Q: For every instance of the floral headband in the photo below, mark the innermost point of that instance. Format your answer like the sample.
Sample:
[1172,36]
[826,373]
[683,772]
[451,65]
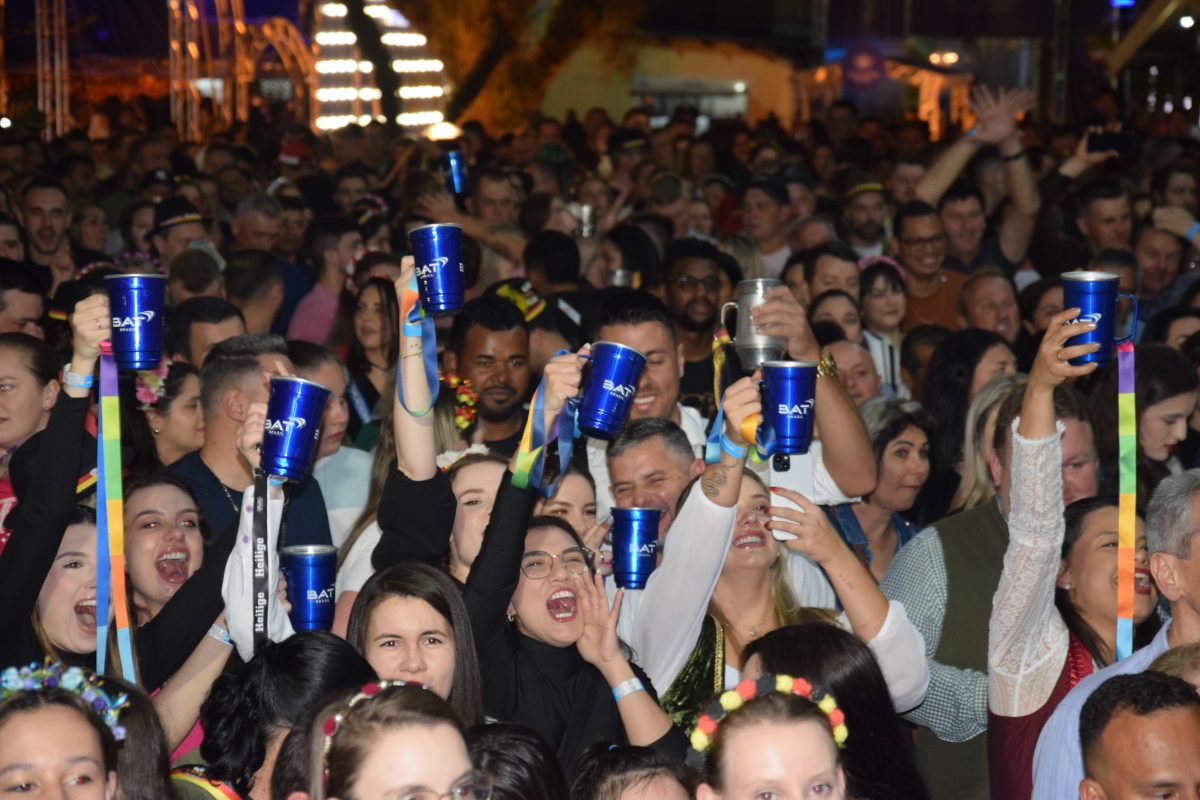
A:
[449,458]
[75,680]
[151,384]
[332,725]
[464,401]
[730,701]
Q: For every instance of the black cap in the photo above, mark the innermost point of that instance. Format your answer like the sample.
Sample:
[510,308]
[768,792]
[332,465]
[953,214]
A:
[175,211]
[627,140]
[773,187]
[155,178]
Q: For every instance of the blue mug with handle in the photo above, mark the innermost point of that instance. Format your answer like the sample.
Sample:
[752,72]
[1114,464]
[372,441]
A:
[1095,294]
[609,383]
[788,398]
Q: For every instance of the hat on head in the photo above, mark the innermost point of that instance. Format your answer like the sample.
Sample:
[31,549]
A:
[773,187]
[627,140]
[174,211]
[295,153]
[157,177]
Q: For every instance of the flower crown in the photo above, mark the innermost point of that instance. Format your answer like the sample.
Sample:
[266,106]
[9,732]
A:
[76,680]
[730,701]
[449,458]
[149,385]
[332,725]
[464,401]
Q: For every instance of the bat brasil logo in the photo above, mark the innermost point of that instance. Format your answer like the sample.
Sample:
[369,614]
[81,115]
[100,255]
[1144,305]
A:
[798,410]
[281,426]
[140,318]
[621,390]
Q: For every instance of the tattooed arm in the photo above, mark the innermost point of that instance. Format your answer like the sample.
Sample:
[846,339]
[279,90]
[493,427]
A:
[721,482]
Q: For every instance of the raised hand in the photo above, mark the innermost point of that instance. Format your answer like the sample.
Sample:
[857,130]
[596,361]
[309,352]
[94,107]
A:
[741,401]
[781,315]
[598,642]
[1053,363]
[994,118]
[250,434]
[91,324]
[809,529]
[563,375]
[594,539]
[1173,220]
[438,207]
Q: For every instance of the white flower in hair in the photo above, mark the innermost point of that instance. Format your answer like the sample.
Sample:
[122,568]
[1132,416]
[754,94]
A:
[452,457]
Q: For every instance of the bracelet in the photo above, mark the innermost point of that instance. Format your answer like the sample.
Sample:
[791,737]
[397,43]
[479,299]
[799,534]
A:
[1017,156]
[220,634]
[731,449]
[77,380]
[623,690]
[1191,232]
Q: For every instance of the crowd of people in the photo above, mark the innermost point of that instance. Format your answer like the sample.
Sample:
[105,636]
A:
[936,618]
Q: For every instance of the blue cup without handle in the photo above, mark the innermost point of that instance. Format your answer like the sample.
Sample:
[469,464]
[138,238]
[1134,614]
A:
[454,164]
[136,303]
[788,398]
[311,571]
[441,281]
[609,384]
[634,545]
[1095,294]
[293,427]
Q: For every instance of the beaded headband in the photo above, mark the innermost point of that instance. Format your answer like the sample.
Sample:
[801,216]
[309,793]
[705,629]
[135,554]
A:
[464,401]
[730,701]
[332,725]
[75,680]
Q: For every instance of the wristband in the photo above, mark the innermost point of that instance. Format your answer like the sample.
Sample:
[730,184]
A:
[220,634]
[1191,232]
[1017,156]
[623,690]
[731,449]
[76,380]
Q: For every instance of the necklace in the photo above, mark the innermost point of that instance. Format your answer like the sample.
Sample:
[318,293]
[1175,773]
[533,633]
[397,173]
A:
[754,628]
[228,496]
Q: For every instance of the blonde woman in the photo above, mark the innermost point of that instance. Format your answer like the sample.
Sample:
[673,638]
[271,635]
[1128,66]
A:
[977,486]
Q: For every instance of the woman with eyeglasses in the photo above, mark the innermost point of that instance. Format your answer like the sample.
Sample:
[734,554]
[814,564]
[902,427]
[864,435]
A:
[881,298]
[546,637]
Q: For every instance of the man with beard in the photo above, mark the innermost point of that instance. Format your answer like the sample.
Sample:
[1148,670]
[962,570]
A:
[489,347]
[46,218]
[866,210]
[693,283]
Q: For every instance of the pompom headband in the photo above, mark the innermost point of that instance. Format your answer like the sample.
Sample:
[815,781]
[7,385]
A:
[730,701]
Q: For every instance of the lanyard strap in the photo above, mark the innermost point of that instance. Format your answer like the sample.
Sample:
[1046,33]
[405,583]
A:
[357,400]
[531,455]
[260,581]
[1127,509]
[110,524]
[762,450]
[417,323]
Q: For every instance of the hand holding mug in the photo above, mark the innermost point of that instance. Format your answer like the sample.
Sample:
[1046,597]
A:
[1053,363]
[742,401]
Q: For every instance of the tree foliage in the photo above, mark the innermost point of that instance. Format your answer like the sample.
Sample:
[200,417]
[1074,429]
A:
[500,55]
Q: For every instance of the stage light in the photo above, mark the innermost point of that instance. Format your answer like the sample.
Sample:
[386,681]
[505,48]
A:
[442,131]
[413,118]
[420,92]
[417,65]
[1187,21]
[336,38]
[333,10]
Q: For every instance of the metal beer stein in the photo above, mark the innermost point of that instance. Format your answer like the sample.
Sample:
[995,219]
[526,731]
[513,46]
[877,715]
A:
[753,348]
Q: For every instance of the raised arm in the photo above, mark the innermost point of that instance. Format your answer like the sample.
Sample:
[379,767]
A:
[1020,220]
[440,207]
[845,446]
[416,448]
[662,621]
[995,123]
[1027,638]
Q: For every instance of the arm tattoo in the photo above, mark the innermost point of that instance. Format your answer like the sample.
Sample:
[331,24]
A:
[714,480]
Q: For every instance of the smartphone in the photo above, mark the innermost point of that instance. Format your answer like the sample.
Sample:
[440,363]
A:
[1120,142]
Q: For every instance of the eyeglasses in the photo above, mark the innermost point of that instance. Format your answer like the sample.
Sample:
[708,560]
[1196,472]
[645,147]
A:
[538,564]
[476,787]
[690,283]
[927,242]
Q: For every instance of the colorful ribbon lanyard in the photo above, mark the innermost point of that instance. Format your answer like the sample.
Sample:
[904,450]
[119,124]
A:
[110,524]
[417,323]
[531,455]
[1127,510]
[761,451]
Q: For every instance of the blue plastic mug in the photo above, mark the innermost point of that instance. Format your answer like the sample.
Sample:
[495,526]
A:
[634,545]
[441,279]
[610,381]
[454,164]
[293,427]
[136,303]
[1095,294]
[788,398]
[311,572]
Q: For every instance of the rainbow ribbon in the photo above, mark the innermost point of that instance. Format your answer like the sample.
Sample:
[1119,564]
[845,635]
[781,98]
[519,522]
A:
[1127,510]
[531,455]
[110,523]
[417,323]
